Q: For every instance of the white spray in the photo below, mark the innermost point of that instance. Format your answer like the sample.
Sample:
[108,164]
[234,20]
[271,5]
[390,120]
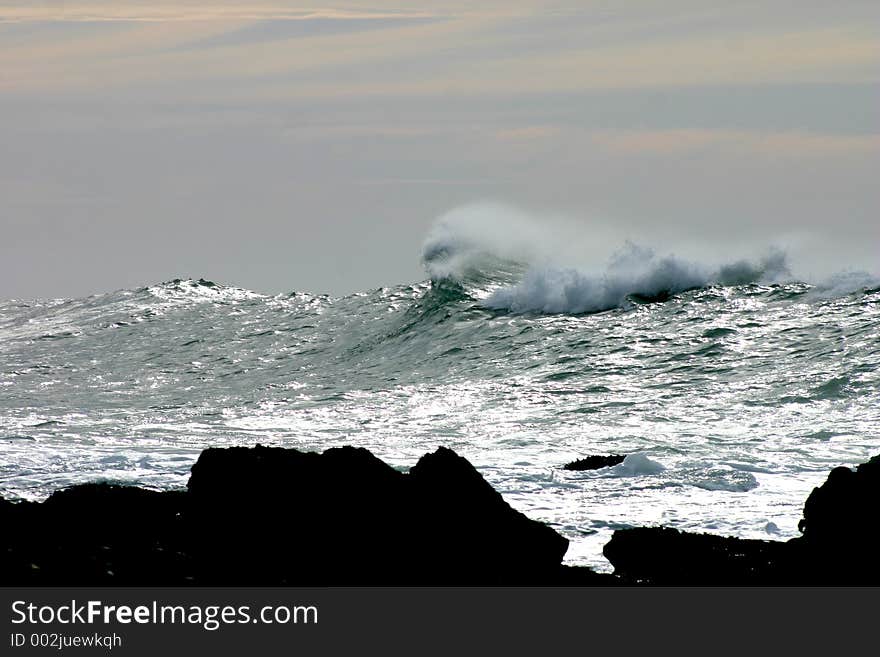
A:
[555,257]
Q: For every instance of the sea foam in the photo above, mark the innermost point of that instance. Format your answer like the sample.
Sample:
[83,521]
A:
[634,274]
[496,242]
[638,464]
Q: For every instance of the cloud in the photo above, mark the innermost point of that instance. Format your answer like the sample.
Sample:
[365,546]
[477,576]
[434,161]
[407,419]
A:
[175,12]
[783,144]
[124,53]
[480,52]
[321,131]
[527,133]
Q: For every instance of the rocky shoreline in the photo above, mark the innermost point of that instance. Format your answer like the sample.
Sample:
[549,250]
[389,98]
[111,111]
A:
[272,516]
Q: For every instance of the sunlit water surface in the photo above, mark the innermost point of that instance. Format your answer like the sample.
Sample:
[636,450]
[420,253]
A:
[741,399]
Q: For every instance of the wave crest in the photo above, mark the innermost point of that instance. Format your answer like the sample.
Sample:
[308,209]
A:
[510,262]
[481,242]
[518,265]
[635,274]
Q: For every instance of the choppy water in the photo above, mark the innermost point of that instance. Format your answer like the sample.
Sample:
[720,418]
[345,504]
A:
[739,397]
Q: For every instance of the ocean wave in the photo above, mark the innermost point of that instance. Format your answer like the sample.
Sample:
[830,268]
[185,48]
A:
[188,289]
[481,243]
[524,268]
[634,275]
[845,283]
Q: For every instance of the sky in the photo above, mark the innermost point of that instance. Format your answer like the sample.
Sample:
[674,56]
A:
[311,146]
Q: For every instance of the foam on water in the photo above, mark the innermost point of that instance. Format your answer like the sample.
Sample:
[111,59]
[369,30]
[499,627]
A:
[639,464]
[635,274]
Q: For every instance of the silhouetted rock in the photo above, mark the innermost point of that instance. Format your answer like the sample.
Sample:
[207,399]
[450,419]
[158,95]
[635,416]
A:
[841,523]
[345,516]
[271,516]
[839,546]
[94,534]
[664,556]
[844,505]
[595,462]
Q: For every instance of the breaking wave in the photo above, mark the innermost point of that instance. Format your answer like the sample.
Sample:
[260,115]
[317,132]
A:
[634,275]
[523,270]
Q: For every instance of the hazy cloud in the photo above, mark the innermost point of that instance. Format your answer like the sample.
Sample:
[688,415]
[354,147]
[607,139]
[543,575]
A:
[790,144]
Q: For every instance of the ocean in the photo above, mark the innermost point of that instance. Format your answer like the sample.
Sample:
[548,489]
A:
[732,389]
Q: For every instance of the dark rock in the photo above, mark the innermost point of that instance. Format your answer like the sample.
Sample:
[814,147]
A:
[451,495]
[841,523]
[664,556]
[594,462]
[93,534]
[272,516]
[345,516]
[839,546]
[844,505]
